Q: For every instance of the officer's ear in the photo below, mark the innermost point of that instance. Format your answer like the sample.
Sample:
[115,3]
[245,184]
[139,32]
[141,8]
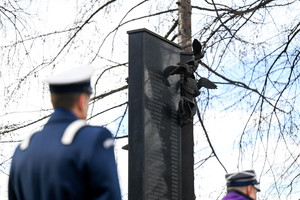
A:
[82,105]
[249,189]
[82,100]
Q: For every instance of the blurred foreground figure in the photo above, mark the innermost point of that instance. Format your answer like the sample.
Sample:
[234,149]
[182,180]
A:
[242,186]
[67,159]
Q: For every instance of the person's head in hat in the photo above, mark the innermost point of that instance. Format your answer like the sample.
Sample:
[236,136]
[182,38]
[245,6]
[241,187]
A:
[242,185]
[71,90]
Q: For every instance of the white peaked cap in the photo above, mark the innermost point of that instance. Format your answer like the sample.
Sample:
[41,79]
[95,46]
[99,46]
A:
[73,80]
[75,75]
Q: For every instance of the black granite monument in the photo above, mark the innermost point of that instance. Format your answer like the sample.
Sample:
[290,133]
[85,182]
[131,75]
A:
[154,118]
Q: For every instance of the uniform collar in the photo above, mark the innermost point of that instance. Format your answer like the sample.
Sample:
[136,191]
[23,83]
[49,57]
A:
[61,114]
[63,111]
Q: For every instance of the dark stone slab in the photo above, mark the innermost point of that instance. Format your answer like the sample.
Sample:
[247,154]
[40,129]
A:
[187,147]
[154,124]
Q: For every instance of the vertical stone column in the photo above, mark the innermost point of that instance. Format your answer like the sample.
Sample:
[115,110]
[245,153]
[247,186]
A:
[154,118]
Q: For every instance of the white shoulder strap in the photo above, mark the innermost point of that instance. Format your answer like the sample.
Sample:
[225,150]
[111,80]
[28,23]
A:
[25,143]
[71,131]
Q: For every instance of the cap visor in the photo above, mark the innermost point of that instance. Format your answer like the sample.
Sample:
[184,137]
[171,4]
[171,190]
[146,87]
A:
[257,187]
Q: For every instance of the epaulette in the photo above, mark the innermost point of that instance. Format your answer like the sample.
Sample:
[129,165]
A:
[25,143]
[67,137]
[71,131]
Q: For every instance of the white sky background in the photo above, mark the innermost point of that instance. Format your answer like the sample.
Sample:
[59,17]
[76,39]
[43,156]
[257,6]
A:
[224,127]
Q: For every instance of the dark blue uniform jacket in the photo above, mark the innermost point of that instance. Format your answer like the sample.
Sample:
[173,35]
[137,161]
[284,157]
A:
[50,170]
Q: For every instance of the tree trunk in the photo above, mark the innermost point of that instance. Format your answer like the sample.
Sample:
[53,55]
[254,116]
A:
[187,140]
[184,25]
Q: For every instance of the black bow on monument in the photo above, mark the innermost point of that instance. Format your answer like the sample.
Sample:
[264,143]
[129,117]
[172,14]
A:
[189,85]
[187,69]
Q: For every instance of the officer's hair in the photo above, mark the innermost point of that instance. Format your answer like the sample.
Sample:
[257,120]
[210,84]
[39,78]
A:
[238,188]
[64,100]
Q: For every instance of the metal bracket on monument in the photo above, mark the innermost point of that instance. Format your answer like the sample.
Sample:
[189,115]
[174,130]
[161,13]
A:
[189,85]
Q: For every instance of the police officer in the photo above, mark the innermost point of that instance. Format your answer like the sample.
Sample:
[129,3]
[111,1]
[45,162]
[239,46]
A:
[67,159]
[242,186]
